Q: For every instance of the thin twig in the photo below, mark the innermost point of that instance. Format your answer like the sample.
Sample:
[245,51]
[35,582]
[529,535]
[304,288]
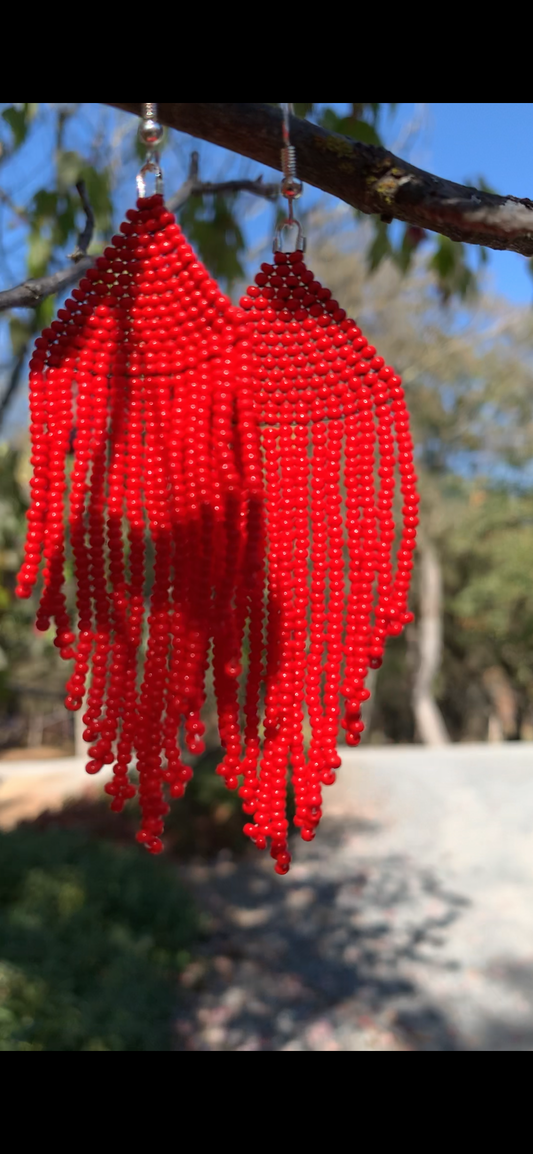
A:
[14,382]
[255,187]
[21,213]
[193,186]
[185,192]
[85,237]
[32,292]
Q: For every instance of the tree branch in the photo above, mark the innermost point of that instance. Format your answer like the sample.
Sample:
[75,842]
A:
[368,178]
[85,237]
[13,383]
[32,292]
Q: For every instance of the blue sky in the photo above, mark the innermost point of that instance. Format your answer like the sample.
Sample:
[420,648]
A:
[465,141]
[460,141]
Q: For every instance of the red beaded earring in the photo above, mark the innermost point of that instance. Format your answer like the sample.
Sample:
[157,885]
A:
[226,461]
[334,433]
[137,377]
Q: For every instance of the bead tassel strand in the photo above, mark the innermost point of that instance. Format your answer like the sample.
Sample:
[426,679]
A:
[326,406]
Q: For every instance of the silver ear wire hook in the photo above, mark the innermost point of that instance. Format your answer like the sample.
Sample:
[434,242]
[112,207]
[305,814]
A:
[150,134]
[291,187]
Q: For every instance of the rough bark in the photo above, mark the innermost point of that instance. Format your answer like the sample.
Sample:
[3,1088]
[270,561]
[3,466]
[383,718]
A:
[370,179]
[429,721]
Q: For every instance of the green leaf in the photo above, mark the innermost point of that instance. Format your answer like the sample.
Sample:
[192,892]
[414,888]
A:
[360,130]
[445,258]
[20,335]
[381,246]
[453,273]
[98,184]
[44,314]
[39,253]
[484,186]
[31,111]
[69,170]
[17,120]
[215,232]
[44,206]
[331,120]
[350,126]
[404,254]
[303,109]
[65,223]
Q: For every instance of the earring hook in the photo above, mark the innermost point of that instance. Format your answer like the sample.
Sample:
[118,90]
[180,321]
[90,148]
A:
[151,134]
[291,187]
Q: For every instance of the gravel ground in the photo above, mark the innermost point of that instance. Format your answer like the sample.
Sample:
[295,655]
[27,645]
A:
[407,925]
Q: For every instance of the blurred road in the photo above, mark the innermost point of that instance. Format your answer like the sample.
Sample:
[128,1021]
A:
[27,788]
[407,926]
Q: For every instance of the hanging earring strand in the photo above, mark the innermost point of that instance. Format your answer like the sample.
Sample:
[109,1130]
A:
[137,373]
[324,402]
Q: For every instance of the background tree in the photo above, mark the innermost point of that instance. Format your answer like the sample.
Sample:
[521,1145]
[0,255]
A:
[470,380]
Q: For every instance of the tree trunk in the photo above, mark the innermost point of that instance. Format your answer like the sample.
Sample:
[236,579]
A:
[368,707]
[429,720]
[495,731]
[80,746]
[504,703]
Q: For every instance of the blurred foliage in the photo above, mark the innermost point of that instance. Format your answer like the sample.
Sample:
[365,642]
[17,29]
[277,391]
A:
[19,118]
[52,213]
[209,818]
[491,590]
[212,226]
[448,262]
[469,381]
[25,655]
[92,939]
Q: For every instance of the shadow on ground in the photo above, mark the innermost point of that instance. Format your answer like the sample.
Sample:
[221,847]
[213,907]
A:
[320,961]
[497,1035]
